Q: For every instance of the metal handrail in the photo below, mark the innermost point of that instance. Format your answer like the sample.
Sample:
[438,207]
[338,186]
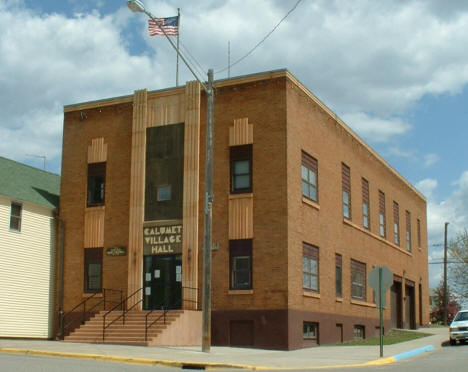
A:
[64,327]
[124,311]
[165,311]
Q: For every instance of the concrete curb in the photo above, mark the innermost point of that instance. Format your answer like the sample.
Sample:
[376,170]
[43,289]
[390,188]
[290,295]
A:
[211,365]
[413,352]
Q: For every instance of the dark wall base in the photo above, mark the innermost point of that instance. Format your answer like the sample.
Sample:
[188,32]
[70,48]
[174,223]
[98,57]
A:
[282,329]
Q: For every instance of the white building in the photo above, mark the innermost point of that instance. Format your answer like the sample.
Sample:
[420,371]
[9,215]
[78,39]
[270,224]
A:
[28,198]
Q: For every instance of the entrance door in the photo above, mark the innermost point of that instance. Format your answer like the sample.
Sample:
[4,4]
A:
[396,305]
[163,282]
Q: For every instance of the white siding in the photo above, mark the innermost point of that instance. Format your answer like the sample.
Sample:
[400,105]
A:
[27,272]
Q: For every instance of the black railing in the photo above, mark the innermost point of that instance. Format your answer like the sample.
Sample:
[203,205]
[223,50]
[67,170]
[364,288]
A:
[125,309]
[85,312]
[166,309]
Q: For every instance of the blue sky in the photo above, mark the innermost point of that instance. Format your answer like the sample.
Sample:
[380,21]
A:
[395,71]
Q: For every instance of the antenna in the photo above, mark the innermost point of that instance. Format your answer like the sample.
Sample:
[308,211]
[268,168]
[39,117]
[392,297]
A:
[229,59]
[39,156]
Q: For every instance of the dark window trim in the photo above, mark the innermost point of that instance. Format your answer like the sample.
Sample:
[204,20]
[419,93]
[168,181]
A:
[361,328]
[311,252]
[346,189]
[382,217]
[396,223]
[96,169]
[308,325]
[239,248]
[366,202]
[18,219]
[239,153]
[311,164]
[92,255]
[357,266]
[408,231]
[339,265]
[419,232]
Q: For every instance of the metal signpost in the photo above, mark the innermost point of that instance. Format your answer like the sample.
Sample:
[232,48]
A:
[380,280]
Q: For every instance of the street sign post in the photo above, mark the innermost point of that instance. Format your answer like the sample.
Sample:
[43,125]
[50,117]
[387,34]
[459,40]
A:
[380,280]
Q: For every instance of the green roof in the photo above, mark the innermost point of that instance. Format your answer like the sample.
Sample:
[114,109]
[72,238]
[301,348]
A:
[24,183]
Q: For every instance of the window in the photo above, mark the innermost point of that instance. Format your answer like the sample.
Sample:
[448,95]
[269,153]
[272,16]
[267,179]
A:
[164,193]
[241,169]
[240,252]
[93,270]
[396,223]
[359,332]
[346,190]
[338,275]
[310,267]
[408,231]
[15,216]
[96,184]
[382,222]
[309,169]
[310,331]
[419,232]
[365,204]
[358,280]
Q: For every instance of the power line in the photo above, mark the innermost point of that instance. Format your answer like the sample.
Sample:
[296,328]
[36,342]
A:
[261,41]
[194,60]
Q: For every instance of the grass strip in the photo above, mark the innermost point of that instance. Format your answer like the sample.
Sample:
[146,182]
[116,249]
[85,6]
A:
[394,336]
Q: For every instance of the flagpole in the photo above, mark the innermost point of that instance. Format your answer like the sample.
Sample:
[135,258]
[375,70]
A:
[178,35]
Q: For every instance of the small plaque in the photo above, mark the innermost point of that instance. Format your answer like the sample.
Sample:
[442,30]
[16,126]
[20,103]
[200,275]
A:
[157,274]
[147,291]
[148,277]
[178,269]
[116,251]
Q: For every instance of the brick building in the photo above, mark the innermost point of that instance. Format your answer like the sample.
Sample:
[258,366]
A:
[303,210]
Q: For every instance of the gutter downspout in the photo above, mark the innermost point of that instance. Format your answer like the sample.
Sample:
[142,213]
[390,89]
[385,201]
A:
[61,223]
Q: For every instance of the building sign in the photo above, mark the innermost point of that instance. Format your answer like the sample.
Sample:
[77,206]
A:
[116,251]
[162,239]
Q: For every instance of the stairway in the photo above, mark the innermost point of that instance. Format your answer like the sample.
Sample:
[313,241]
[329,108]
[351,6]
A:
[130,333]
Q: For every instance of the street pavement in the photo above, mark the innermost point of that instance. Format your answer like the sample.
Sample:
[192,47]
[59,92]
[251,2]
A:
[231,357]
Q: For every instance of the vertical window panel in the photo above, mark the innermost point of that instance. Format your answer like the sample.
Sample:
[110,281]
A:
[16,210]
[382,219]
[346,190]
[240,253]
[241,169]
[365,204]
[93,270]
[309,171]
[396,223]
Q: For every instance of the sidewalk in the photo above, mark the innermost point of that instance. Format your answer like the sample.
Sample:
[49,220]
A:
[317,357]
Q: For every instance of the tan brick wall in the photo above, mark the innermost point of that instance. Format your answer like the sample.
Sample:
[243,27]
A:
[263,103]
[113,123]
[311,129]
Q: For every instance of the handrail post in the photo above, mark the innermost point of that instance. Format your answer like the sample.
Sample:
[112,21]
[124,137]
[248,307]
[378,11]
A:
[104,297]
[146,328]
[84,312]
[103,326]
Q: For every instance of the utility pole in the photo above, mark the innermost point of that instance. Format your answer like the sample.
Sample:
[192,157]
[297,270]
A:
[206,300]
[445,274]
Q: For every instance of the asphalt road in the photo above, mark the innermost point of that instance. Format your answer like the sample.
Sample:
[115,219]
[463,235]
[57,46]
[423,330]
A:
[448,358]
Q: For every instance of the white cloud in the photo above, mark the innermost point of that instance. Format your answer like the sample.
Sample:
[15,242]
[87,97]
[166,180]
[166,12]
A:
[430,159]
[453,209]
[374,128]
[49,61]
[369,61]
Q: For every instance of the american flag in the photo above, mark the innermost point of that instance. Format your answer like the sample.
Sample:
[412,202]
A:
[169,24]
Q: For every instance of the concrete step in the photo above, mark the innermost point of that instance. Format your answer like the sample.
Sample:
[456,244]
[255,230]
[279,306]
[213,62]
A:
[130,333]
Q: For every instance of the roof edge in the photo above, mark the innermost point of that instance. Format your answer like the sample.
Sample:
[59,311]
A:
[355,136]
